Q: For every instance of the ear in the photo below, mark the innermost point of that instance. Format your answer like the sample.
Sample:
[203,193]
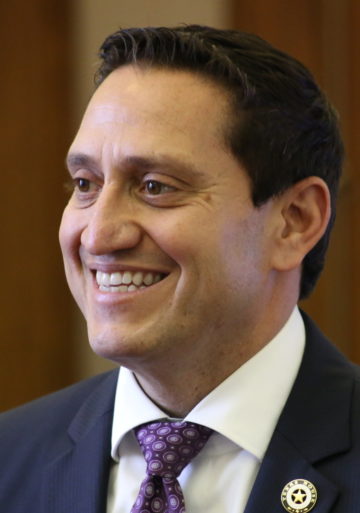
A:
[303,213]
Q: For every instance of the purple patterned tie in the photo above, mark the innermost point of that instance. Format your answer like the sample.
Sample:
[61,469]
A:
[167,447]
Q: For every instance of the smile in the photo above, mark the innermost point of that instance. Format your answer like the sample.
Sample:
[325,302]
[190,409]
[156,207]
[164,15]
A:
[126,281]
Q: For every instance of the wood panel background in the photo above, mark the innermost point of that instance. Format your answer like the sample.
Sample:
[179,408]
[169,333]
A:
[37,334]
[36,349]
[325,36]
[353,139]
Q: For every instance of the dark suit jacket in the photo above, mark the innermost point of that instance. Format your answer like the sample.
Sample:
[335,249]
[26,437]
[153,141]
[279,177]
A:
[55,452]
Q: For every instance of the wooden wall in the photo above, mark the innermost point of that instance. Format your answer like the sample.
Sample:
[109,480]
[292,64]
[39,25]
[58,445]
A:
[36,349]
[353,140]
[325,36]
[37,333]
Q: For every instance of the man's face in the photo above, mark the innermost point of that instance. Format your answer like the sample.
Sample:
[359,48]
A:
[164,251]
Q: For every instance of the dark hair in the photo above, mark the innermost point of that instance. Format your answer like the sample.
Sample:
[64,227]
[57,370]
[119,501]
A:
[283,128]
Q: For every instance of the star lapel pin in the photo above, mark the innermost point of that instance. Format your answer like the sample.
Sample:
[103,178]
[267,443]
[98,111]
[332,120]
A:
[299,496]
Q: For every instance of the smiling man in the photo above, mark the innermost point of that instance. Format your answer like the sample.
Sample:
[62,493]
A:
[205,173]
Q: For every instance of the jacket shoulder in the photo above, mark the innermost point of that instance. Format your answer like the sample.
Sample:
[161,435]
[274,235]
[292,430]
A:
[51,412]
[34,436]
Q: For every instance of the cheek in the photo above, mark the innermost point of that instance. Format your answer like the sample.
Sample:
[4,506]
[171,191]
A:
[244,255]
[183,236]
[171,237]
[69,233]
[194,246]
[69,237]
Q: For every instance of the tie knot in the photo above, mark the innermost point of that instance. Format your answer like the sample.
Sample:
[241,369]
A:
[169,446]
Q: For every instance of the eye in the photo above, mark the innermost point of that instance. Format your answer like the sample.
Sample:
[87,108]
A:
[154,188]
[82,184]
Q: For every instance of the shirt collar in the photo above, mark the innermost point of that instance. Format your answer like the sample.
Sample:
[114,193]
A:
[244,408]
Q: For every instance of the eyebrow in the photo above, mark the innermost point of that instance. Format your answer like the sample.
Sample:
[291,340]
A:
[74,160]
[162,162]
[137,162]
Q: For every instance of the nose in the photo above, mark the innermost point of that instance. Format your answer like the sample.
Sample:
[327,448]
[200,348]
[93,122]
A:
[112,224]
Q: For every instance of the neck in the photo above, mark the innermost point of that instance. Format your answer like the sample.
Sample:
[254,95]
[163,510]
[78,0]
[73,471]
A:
[177,385]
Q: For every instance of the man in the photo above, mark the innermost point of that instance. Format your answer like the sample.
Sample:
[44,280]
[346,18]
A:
[205,173]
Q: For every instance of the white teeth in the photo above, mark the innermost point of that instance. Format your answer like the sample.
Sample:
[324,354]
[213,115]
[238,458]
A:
[149,279]
[104,279]
[127,278]
[126,281]
[138,278]
[115,278]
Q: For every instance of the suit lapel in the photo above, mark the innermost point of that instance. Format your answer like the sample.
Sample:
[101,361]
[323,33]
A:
[281,465]
[314,425]
[77,475]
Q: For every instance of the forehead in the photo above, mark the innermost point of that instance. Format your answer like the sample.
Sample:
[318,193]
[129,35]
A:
[163,101]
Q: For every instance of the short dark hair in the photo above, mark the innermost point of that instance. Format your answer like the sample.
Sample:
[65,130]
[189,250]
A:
[283,128]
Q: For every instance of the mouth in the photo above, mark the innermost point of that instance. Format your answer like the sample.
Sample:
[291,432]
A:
[126,281]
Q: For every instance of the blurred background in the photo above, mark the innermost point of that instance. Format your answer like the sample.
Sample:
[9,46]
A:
[48,54]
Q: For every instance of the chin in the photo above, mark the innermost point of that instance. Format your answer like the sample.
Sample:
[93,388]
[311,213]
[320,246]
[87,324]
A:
[115,347]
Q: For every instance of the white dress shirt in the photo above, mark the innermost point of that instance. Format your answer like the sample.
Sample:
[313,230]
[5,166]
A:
[243,411]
